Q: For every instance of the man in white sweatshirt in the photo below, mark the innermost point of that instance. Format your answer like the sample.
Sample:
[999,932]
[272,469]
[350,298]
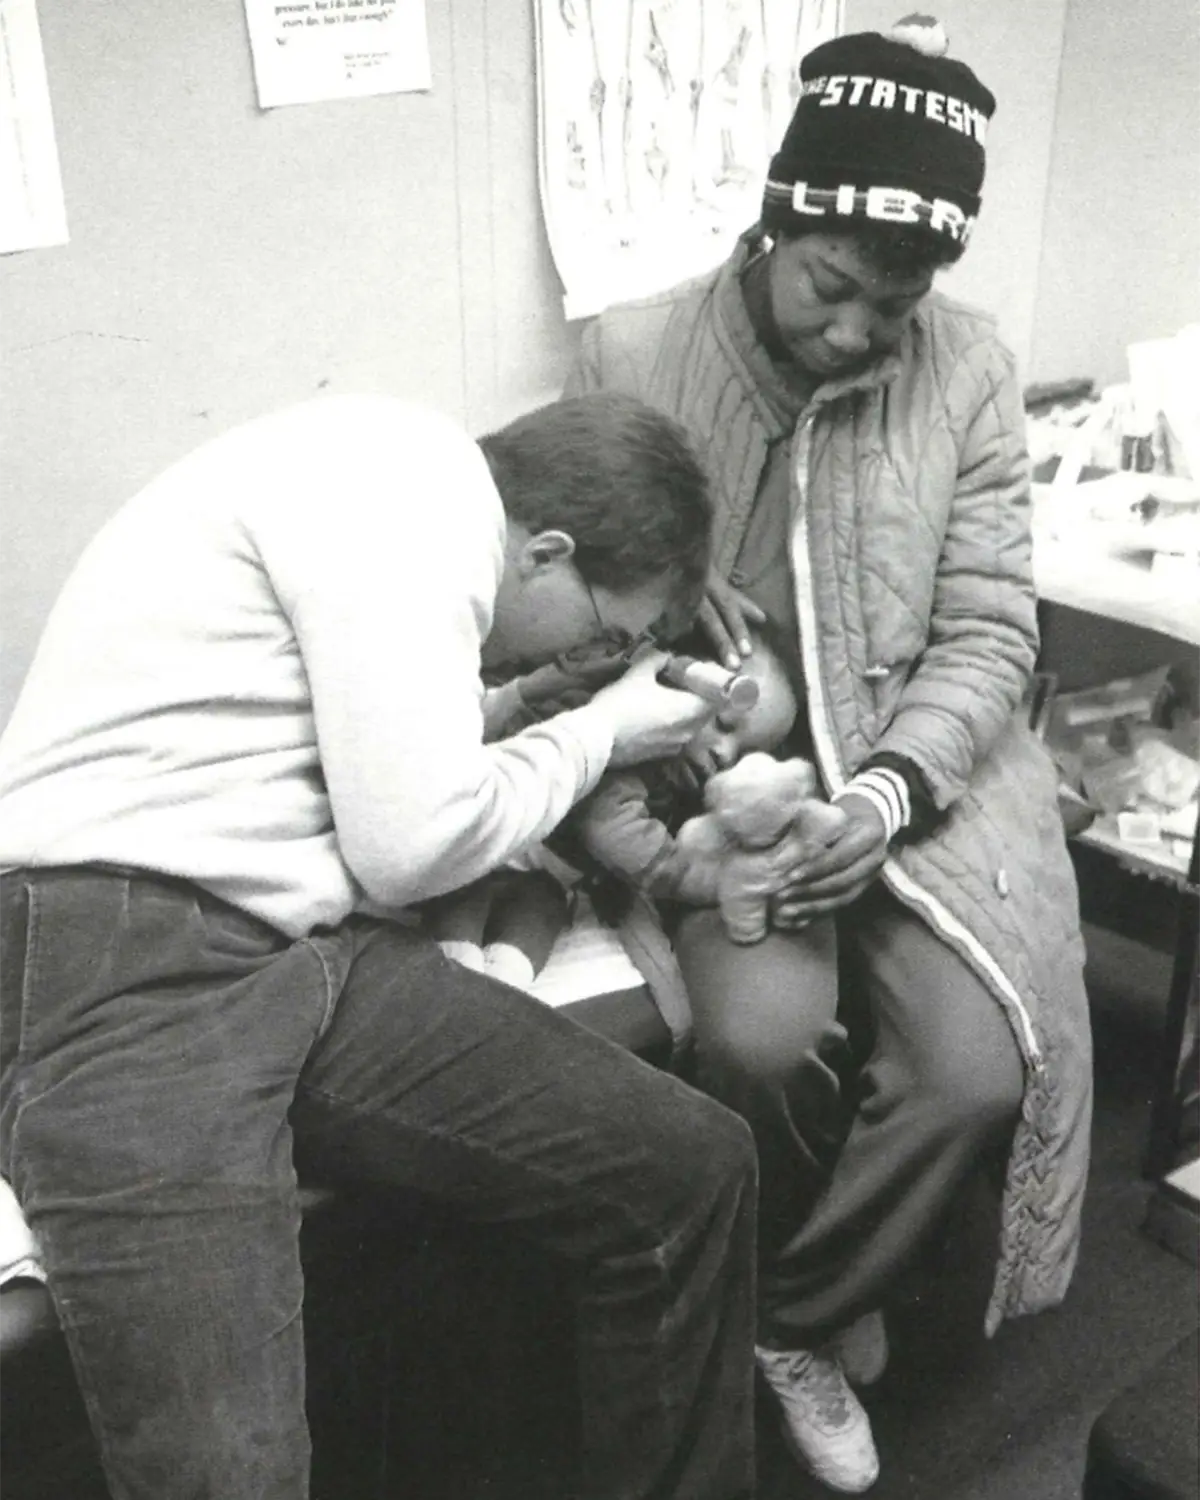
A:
[256,713]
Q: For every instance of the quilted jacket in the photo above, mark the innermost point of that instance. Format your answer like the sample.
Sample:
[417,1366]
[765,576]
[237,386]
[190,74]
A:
[910,553]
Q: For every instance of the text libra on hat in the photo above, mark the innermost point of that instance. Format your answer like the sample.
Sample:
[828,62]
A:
[884,132]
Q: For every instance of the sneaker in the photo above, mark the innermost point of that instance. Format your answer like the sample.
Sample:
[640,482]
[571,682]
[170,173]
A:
[508,964]
[824,1423]
[470,955]
[862,1349]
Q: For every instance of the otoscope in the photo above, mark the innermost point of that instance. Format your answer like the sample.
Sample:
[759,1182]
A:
[730,690]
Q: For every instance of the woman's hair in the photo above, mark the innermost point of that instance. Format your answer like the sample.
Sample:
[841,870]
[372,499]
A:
[892,248]
[620,478]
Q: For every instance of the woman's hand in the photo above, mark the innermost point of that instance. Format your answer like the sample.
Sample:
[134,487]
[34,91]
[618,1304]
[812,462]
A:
[840,872]
[724,616]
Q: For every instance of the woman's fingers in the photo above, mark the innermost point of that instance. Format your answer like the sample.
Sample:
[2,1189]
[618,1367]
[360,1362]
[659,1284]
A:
[725,617]
[792,912]
[712,622]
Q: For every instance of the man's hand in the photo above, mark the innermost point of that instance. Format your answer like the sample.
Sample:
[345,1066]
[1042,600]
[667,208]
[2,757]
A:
[724,617]
[650,721]
[571,679]
[840,872]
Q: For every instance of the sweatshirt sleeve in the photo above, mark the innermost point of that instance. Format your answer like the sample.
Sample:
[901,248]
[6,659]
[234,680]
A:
[390,588]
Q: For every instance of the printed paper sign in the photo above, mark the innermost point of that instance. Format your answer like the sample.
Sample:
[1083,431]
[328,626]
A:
[31,197]
[308,50]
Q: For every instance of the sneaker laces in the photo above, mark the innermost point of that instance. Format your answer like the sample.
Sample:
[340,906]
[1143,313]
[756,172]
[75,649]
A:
[820,1376]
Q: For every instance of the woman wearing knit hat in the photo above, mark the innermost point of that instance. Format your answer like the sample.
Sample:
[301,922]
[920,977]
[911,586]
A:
[864,438]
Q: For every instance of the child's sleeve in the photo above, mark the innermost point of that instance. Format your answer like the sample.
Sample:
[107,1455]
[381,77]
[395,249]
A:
[617,830]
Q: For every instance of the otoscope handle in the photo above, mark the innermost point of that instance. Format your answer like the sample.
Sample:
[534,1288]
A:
[711,681]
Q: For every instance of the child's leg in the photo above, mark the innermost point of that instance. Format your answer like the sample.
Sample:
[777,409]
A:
[527,916]
[769,1045]
[458,919]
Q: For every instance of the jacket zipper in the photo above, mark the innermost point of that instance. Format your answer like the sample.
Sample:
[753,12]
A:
[830,766]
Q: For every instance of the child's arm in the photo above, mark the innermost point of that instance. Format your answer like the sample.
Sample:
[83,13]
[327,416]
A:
[617,829]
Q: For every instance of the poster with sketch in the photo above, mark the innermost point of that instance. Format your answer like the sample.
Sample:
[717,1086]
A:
[308,50]
[32,213]
[656,121]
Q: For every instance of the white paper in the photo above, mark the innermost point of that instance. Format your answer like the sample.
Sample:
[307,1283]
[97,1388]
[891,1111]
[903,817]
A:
[308,50]
[656,124]
[31,198]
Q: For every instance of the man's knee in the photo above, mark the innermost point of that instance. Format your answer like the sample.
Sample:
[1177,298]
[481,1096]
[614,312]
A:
[712,1145]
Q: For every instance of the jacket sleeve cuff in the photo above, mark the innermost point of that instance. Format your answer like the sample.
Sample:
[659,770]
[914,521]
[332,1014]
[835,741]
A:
[888,793]
[922,814]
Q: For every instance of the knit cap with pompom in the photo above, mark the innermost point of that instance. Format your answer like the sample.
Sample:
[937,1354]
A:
[888,129]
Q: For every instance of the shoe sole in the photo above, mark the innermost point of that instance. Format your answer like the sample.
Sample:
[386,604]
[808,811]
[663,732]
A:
[802,1459]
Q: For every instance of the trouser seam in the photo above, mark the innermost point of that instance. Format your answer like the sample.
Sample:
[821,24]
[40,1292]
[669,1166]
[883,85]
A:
[332,991]
[28,978]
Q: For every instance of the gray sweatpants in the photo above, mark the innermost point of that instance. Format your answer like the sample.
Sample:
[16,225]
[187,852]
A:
[875,1069]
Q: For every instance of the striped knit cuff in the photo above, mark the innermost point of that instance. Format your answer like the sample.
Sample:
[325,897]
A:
[887,792]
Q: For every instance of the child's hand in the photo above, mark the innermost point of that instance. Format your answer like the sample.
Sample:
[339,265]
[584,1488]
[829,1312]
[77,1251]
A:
[700,849]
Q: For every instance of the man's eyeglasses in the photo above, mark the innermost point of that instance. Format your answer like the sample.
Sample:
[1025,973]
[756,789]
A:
[619,641]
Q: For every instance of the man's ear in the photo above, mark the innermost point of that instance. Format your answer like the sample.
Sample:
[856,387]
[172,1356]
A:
[545,549]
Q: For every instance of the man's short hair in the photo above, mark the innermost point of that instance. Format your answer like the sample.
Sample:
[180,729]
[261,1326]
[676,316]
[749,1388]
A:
[617,475]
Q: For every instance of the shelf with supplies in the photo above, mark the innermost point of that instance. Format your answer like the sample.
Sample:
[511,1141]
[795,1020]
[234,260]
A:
[1125,547]
[1158,861]
[1116,564]
[1120,587]
[1113,568]
[1112,622]
[1128,757]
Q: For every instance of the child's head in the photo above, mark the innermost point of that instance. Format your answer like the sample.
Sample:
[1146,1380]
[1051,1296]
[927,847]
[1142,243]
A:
[765,726]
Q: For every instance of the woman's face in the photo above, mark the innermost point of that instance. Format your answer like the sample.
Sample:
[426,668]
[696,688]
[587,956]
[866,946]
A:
[836,311]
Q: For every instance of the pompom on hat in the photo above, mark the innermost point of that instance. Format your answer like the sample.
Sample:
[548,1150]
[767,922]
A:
[888,130]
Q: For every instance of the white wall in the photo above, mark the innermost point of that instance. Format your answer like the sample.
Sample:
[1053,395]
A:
[1015,48]
[224,261]
[1121,252]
